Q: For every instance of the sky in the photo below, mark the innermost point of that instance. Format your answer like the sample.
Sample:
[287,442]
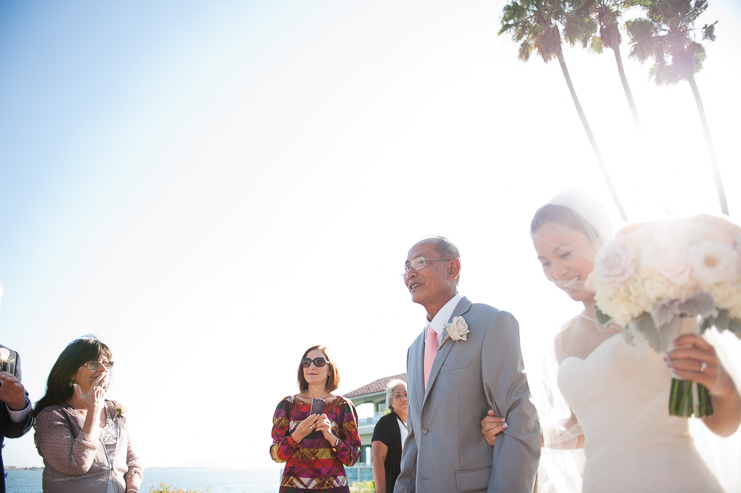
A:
[212,188]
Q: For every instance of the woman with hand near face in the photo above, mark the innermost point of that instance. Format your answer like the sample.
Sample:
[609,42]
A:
[315,447]
[82,437]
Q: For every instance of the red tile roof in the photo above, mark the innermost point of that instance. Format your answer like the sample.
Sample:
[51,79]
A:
[376,386]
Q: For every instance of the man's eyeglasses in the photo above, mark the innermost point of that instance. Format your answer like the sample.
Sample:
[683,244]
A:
[94,365]
[419,263]
[318,362]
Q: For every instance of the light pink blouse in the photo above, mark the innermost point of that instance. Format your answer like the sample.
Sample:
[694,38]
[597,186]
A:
[76,462]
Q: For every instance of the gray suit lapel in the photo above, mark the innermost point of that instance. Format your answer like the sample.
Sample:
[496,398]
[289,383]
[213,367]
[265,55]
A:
[462,307]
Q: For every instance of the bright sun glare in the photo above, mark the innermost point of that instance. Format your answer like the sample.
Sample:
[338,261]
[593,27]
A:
[211,189]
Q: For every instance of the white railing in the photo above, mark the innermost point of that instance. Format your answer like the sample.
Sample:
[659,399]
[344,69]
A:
[358,474]
[370,421]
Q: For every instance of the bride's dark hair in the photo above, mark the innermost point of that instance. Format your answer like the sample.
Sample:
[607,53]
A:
[560,214]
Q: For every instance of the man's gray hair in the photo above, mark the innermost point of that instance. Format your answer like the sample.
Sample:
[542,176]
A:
[447,250]
[390,391]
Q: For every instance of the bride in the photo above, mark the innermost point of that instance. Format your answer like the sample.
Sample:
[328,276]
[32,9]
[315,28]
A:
[605,418]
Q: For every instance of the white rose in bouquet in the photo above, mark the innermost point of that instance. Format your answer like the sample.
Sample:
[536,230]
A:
[668,257]
[615,263]
[713,262]
[716,228]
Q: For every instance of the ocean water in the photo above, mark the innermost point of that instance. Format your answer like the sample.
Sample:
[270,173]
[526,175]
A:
[216,481]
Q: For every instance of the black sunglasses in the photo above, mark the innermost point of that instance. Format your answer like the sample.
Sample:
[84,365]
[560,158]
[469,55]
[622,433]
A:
[318,362]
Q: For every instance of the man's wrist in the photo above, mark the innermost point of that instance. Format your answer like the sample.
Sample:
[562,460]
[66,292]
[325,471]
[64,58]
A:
[19,415]
[21,407]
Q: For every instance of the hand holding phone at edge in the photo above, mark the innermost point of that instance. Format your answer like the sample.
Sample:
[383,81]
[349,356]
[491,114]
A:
[325,426]
[304,428]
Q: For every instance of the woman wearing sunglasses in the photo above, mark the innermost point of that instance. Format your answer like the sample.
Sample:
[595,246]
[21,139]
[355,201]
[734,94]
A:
[315,442]
[83,437]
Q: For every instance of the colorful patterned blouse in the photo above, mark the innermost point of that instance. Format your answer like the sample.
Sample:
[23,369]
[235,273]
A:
[313,464]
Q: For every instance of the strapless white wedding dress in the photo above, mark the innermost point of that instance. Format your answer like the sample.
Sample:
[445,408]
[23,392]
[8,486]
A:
[620,398]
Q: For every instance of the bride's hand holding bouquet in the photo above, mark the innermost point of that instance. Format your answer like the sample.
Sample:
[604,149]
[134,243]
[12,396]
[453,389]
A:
[696,360]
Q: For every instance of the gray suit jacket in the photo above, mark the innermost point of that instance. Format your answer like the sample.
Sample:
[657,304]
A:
[445,451]
[8,427]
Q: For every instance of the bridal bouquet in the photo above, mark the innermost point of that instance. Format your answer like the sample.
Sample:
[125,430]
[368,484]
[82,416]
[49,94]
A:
[660,279]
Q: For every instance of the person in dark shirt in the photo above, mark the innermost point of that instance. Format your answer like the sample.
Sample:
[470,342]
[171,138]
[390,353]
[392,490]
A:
[388,438]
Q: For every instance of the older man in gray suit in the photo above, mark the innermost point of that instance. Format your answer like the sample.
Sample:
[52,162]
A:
[466,362]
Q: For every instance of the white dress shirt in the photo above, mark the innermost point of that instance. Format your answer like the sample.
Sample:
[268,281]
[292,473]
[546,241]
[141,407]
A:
[441,319]
[402,429]
[20,416]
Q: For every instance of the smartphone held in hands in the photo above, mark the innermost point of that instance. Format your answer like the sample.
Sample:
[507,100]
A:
[317,406]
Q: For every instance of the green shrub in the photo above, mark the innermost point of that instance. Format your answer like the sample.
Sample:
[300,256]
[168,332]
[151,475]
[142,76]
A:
[364,487]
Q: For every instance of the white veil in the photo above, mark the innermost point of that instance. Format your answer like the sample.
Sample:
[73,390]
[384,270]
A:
[723,455]
[601,217]
[561,464]
[562,457]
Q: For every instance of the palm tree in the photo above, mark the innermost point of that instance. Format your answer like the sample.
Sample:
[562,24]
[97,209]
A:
[668,35]
[535,24]
[581,24]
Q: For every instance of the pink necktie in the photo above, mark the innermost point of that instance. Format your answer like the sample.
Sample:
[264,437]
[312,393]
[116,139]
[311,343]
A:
[430,351]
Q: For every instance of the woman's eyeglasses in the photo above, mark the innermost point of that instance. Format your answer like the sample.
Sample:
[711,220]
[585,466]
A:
[94,365]
[318,362]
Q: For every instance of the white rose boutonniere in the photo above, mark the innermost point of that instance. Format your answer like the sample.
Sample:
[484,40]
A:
[5,359]
[120,410]
[456,330]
